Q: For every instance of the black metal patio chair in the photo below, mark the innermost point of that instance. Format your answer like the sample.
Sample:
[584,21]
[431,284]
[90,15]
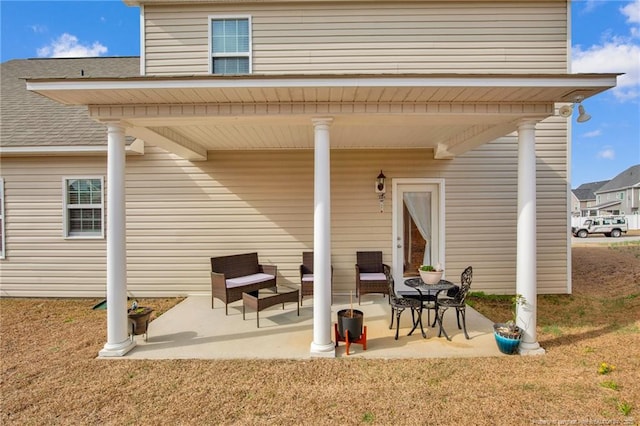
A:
[458,302]
[398,306]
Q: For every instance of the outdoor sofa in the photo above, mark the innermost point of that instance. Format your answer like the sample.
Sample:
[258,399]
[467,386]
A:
[239,273]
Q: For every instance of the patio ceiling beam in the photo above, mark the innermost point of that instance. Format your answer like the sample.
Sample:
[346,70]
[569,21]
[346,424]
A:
[171,141]
[480,134]
[470,139]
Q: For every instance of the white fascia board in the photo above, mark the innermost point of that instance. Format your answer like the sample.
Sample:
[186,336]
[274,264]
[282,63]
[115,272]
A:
[605,80]
[136,147]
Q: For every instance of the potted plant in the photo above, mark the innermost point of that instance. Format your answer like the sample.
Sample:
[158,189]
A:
[350,320]
[139,318]
[430,274]
[508,334]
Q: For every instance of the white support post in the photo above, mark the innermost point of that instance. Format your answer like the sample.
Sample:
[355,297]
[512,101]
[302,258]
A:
[322,346]
[526,276]
[118,341]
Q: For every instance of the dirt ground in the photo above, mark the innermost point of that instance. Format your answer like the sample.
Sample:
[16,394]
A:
[50,374]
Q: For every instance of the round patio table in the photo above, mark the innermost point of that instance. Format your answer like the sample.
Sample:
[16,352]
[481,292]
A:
[430,290]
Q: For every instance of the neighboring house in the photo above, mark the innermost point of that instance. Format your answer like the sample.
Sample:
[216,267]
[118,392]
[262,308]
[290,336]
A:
[621,195]
[583,198]
[265,125]
[575,204]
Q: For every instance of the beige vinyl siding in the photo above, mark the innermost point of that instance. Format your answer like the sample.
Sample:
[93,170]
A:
[39,260]
[377,37]
[179,214]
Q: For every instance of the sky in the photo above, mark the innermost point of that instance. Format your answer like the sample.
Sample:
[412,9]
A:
[605,38]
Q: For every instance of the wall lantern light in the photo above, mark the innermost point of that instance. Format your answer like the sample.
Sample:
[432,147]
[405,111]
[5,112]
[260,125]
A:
[381,189]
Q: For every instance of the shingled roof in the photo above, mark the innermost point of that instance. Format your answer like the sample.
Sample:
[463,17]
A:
[586,191]
[626,179]
[31,120]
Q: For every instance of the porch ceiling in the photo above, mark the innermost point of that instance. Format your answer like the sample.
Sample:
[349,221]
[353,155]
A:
[448,113]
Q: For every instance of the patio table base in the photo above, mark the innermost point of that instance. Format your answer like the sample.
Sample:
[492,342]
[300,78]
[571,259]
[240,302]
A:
[259,301]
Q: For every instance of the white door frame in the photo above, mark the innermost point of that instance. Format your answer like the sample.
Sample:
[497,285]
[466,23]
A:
[396,215]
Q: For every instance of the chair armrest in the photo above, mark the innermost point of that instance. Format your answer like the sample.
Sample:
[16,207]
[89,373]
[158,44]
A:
[218,280]
[269,269]
[357,274]
[305,270]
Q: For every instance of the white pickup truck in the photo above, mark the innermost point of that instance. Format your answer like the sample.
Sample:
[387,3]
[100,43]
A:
[610,226]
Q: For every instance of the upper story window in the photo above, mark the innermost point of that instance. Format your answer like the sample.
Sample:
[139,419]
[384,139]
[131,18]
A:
[230,45]
[84,207]
[621,195]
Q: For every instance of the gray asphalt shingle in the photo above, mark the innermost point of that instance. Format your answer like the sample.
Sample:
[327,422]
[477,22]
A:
[626,179]
[29,119]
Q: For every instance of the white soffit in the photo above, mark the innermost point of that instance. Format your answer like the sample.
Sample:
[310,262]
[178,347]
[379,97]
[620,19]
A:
[294,89]
[449,114]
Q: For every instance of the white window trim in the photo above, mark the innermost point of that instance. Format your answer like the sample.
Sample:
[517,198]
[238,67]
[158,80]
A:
[3,222]
[65,210]
[209,30]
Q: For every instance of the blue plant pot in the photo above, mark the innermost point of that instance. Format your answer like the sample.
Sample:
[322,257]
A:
[506,345]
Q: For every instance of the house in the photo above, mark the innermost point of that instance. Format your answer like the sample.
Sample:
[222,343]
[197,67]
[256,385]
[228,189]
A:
[621,195]
[584,197]
[265,126]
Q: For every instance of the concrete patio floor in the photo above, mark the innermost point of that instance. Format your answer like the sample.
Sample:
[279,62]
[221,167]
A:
[192,330]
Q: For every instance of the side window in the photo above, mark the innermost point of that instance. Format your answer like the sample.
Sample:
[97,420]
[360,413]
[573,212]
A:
[84,207]
[2,249]
[230,45]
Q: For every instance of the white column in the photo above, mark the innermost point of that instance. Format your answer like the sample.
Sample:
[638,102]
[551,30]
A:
[322,346]
[118,341]
[526,278]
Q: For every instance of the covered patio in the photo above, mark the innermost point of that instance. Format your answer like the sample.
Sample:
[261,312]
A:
[193,117]
[192,330]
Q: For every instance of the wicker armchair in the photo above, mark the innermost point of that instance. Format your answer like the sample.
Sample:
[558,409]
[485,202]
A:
[457,302]
[371,274]
[398,306]
[306,276]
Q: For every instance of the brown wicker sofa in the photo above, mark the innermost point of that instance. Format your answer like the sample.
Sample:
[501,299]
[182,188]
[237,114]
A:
[239,273]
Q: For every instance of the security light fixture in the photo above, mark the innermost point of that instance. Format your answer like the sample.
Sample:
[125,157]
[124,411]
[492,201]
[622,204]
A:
[582,115]
[566,111]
